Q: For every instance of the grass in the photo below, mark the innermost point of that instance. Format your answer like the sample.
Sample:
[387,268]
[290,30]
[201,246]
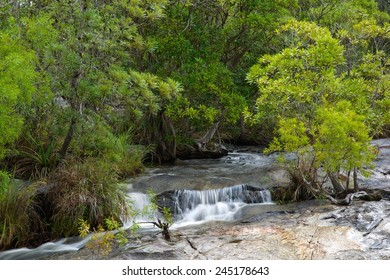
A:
[35,160]
[19,217]
[85,191]
[84,187]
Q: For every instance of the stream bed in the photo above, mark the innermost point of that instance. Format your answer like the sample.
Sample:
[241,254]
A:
[223,210]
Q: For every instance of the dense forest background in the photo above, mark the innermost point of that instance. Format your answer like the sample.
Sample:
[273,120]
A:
[91,90]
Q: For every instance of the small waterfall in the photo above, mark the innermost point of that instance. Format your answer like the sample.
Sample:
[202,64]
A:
[142,211]
[218,204]
[46,249]
[139,201]
[190,207]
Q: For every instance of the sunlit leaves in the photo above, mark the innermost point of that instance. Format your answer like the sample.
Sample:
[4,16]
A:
[302,75]
[292,136]
[341,138]
[17,84]
[304,87]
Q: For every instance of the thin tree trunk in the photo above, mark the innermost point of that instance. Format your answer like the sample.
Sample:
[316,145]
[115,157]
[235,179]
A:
[336,183]
[169,125]
[68,139]
[355,180]
[347,182]
[208,136]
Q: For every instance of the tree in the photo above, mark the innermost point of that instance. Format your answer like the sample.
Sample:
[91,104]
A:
[17,84]
[342,141]
[208,46]
[89,53]
[302,87]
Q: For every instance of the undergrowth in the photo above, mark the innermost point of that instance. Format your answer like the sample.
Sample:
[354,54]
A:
[85,191]
[103,238]
[19,214]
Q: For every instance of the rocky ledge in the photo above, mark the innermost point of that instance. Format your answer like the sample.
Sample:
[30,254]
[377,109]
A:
[309,230]
[306,230]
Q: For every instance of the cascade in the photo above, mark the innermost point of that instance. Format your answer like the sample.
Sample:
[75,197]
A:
[216,204]
[190,207]
[139,202]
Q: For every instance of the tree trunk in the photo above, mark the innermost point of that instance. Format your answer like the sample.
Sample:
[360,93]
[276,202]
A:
[355,180]
[168,126]
[164,136]
[68,139]
[336,183]
[347,182]
[202,142]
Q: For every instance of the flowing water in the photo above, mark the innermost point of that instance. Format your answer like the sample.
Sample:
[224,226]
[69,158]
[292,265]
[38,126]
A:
[233,191]
[190,206]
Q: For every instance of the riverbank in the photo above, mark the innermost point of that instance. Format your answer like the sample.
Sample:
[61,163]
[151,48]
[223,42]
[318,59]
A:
[306,230]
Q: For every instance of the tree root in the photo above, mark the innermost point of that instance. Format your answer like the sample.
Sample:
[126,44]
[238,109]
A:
[348,199]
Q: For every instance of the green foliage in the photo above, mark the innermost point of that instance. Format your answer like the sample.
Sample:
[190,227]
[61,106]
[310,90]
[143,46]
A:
[19,218]
[35,160]
[292,136]
[168,216]
[98,84]
[88,191]
[164,222]
[17,68]
[303,86]
[102,239]
[342,140]
[4,183]
[300,76]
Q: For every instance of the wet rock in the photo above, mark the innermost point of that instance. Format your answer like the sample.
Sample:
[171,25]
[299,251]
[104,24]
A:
[300,231]
[185,152]
[306,230]
[178,200]
[379,178]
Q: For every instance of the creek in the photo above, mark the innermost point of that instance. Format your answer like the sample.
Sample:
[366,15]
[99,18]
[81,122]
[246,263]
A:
[223,210]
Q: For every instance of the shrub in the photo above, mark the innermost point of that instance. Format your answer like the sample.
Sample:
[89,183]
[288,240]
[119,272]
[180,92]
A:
[126,159]
[101,243]
[85,191]
[19,218]
[36,160]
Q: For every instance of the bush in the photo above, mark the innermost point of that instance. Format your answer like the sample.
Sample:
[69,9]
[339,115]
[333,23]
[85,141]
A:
[4,183]
[35,160]
[126,159]
[19,218]
[98,141]
[85,191]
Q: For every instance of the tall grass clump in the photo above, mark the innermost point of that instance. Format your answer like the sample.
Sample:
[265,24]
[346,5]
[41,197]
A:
[87,191]
[20,222]
[83,186]
[99,141]
[35,158]
[126,158]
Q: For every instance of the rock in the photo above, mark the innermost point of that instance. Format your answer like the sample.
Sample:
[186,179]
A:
[185,152]
[174,199]
[300,231]
[306,230]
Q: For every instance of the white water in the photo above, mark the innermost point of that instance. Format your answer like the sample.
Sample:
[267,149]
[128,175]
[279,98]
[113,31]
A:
[215,205]
[191,207]
[138,200]
[140,203]
[63,245]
